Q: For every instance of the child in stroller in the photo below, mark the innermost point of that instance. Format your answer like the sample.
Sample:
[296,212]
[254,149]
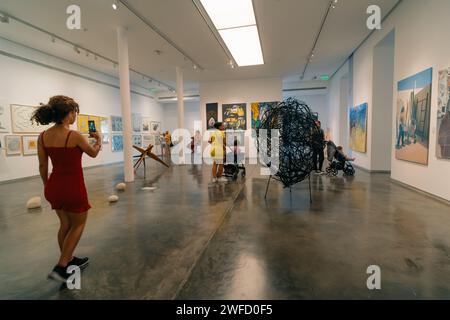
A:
[232,169]
[338,161]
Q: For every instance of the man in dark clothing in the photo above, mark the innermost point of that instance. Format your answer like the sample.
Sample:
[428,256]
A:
[318,146]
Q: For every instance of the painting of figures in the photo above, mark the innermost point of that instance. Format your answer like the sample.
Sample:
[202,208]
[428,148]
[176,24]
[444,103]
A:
[413,118]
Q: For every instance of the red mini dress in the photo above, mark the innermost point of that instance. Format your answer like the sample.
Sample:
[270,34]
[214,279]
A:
[65,189]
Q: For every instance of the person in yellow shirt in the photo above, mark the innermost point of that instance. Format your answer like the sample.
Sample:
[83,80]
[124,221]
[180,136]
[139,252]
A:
[218,144]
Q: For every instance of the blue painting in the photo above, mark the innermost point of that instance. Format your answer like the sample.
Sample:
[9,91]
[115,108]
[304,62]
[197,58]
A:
[358,128]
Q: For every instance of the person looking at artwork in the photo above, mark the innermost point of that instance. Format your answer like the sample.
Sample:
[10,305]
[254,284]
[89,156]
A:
[168,139]
[65,188]
[218,144]
[318,139]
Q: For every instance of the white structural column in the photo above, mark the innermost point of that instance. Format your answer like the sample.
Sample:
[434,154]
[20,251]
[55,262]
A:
[125,96]
[180,98]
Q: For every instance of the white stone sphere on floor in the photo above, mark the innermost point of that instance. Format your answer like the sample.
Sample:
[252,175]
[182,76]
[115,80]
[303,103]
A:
[113,198]
[121,186]
[34,203]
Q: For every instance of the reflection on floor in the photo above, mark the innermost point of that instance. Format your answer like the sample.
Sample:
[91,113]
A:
[189,239]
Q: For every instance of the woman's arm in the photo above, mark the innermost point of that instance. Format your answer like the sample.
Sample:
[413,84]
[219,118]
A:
[43,161]
[84,145]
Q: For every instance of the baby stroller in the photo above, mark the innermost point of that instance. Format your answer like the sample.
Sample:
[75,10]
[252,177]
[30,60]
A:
[231,170]
[337,162]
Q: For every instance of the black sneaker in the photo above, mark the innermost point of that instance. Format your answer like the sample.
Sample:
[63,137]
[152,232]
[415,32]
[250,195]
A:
[59,274]
[81,263]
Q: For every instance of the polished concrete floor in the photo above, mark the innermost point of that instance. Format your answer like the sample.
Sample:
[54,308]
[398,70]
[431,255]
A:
[189,239]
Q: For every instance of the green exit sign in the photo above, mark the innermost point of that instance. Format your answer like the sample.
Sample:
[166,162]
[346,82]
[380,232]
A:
[325,77]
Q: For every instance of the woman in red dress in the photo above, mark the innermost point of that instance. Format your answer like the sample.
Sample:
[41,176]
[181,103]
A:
[65,189]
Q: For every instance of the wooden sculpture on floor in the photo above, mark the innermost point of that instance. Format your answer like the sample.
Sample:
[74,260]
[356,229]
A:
[146,153]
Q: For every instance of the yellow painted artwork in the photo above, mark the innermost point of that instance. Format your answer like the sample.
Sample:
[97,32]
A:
[82,123]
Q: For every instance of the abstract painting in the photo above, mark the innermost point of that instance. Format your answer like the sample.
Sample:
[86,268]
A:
[413,117]
[117,143]
[21,120]
[358,128]
[13,145]
[137,140]
[146,123]
[443,121]
[155,127]
[136,122]
[30,145]
[4,119]
[235,116]
[116,124]
[212,113]
[258,110]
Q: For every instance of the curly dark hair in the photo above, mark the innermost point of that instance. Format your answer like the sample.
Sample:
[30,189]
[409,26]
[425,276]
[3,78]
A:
[55,111]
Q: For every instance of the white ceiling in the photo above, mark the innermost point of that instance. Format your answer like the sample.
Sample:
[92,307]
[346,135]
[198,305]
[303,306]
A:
[287,31]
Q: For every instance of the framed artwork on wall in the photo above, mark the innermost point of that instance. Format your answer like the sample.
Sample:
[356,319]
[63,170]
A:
[212,115]
[30,145]
[258,110]
[4,117]
[21,120]
[235,116]
[155,127]
[148,139]
[146,124]
[117,143]
[136,122]
[443,116]
[116,124]
[82,123]
[137,140]
[358,128]
[413,117]
[13,145]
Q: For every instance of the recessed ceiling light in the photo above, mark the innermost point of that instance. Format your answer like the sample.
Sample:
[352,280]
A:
[236,23]
[115,5]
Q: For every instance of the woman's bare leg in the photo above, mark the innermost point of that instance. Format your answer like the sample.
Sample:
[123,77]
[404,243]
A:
[77,224]
[64,228]
[214,170]
[220,171]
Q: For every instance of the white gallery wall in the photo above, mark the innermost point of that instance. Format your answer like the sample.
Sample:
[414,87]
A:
[316,102]
[28,83]
[420,43]
[191,115]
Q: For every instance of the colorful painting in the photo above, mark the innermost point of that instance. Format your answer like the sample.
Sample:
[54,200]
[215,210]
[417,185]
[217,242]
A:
[235,116]
[212,114]
[4,119]
[117,143]
[21,120]
[137,140]
[136,122]
[116,124]
[30,145]
[13,145]
[413,118]
[82,123]
[258,110]
[358,128]
[443,121]
[146,124]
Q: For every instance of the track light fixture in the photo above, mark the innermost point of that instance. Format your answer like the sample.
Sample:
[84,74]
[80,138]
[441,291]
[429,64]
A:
[53,39]
[76,49]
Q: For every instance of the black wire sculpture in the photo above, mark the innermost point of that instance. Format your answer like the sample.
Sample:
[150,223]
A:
[294,125]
